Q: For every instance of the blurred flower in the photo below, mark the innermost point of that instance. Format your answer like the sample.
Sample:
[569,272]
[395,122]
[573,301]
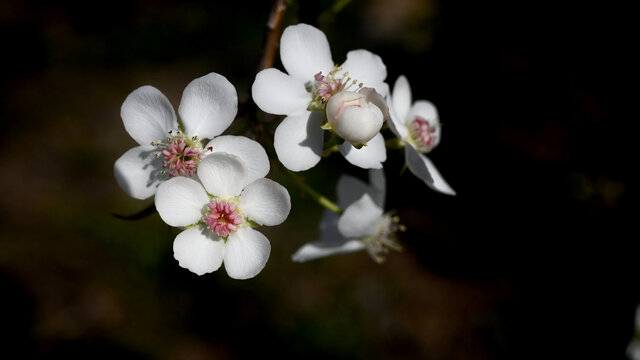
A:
[419,127]
[303,92]
[219,215]
[357,117]
[363,225]
[208,106]
[633,349]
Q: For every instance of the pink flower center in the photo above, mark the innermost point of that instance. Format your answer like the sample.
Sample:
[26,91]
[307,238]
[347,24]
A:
[423,133]
[223,217]
[180,159]
[323,87]
[326,86]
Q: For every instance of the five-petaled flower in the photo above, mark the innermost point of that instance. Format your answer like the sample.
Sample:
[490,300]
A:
[363,225]
[419,128]
[219,214]
[312,80]
[208,106]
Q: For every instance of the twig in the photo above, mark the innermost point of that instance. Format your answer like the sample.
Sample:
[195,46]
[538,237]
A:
[273,33]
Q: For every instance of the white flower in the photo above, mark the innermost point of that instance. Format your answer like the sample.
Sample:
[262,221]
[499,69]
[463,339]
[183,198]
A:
[419,128]
[363,225]
[633,349]
[208,106]
[302,93]
[357,116]
[219,215]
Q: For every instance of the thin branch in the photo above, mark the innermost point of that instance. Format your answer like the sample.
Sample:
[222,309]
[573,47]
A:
[273,33]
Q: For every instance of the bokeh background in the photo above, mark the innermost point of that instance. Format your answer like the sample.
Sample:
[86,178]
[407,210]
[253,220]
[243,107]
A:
[535,258]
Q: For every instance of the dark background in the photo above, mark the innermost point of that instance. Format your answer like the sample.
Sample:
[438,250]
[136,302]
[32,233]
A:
[536,257]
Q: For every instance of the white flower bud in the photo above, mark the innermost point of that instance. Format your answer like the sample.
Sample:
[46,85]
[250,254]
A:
[357,117]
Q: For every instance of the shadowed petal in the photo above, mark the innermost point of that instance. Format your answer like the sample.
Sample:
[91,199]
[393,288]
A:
[360,219]
[249,151]
[367,68]
[298,140]
[424,169]
[278,93]
[265,202]
[198,250]
[246,253]
[401,99]
[138,172]
[148,115]
[370,156]
[180,201]
[222,175]
[208,106]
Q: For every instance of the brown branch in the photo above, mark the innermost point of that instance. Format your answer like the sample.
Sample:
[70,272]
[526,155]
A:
[273,33]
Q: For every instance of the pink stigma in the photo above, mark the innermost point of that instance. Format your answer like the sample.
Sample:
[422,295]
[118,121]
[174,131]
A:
[222,217]
[423,133]
[180,159]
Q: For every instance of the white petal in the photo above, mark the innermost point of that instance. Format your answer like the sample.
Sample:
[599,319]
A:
[138,172]
[426,110]
[360,219]
[222,175]
[246,253]
[350,189]
[315,250]
[198,250]
[370,156]
[249,151]
[401,98]
[278,93]
[180,201]
[304,51]
[148,115]
[367,68]
[265,202]
[378,186]
[208,106]
[424,169]
[298,140]
[396,125]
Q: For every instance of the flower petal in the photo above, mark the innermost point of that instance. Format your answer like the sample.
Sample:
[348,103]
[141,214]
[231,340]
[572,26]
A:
[396,125]
[278,93]
[317,249]
[367,68]
[350,189]
[401,98]
[246,253]
[148,115]
[199,250]
[180,201]
[249,151]
[298,140]
[138,172]
[426,110]
[360,219]
[305,51]
[424,169]
[208,106]
[265,202]
[370,156]
[222,175]
[378,186]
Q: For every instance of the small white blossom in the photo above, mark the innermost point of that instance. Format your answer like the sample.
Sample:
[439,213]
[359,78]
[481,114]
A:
[633,349]
[363,225]
[208,106]
[419,128]
[302,93]
[219,215]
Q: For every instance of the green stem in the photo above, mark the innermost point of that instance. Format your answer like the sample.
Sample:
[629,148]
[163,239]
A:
[320,199]
[394,143]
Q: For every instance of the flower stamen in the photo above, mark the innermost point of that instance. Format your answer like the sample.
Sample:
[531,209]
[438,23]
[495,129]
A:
[423,134]
[223,217]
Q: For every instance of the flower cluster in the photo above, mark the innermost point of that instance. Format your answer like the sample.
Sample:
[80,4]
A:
[213,186]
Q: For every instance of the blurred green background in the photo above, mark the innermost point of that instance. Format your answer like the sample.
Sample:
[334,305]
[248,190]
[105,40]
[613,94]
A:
[535,257]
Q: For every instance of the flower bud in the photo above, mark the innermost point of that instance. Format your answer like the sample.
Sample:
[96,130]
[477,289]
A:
[357,117]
